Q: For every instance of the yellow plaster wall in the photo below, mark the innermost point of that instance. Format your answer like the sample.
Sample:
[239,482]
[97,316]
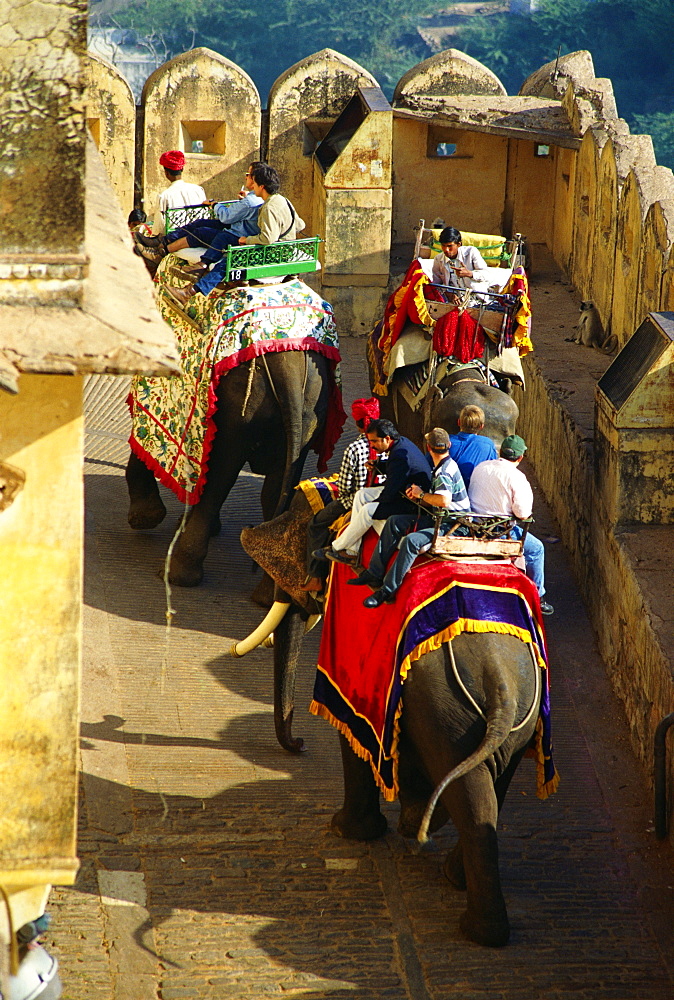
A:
[41,433]
[200,86]
[582,208]
[628,249]
[653,260]
[111,115]
[530,190]
[316,88]
[605,235]
[466,190]
[565,209]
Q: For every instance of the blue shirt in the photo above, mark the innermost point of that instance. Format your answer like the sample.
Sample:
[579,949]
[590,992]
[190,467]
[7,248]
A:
[241,216]
[468,450]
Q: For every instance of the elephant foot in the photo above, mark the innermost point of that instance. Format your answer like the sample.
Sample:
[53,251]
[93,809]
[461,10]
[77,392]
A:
[368,828]
[412,813]
[454,870]
[146,513]
[489,932]
[184,574]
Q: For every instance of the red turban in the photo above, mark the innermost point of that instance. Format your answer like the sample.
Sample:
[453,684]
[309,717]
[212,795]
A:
[365,409]
[173,160]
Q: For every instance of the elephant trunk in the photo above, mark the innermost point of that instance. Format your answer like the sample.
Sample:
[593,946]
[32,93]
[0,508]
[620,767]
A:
[501,714]
[273,619]
[287,646]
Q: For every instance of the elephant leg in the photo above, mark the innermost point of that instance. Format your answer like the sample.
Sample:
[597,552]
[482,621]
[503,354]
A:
[415,791]
[360,818]
[287,644]
[146,507]
[454,869]
[191,548]
[473,806]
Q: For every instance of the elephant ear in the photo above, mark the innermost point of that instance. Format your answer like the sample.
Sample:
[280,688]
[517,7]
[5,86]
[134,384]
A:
[279,546]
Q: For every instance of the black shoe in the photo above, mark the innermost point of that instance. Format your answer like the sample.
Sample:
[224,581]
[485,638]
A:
[378,598]
[366,579]
[340,557]
[547,609]
[321,554]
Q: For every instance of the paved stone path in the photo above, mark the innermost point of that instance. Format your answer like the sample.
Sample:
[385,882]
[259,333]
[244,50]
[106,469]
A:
[208,868]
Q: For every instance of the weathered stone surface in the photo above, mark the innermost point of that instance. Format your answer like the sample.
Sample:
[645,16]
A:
[200,96]
[303,104]
[111,117]
[448,73]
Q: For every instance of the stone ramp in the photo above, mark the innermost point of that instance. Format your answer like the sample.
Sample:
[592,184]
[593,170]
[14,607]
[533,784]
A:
[208,867]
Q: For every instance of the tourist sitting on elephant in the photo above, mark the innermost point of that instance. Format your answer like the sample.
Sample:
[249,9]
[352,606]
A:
[447,493]
[354,474]
[406,466]
[234,219]
[499,487]
[469,447]
[460,266]
[277,221]
[179,192]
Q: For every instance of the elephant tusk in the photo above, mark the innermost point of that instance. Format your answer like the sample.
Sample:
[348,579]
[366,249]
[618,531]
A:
[268,643]
[263,631]
[312,621]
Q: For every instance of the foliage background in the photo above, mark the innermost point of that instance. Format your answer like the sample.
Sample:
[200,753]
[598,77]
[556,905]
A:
[631,41]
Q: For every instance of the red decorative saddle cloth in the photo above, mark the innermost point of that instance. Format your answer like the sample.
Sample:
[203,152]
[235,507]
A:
[365,654]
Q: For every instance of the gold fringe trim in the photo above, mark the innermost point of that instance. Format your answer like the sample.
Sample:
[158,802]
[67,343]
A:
[543,788]
[390,794]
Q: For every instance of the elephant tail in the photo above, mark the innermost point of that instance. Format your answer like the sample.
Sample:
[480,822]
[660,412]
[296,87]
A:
[500,722]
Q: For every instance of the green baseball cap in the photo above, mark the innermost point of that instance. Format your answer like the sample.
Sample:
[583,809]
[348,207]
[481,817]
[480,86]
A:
[513,446]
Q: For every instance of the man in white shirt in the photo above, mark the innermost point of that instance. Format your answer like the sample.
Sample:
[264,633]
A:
[179,193]
[499,487]
[460,266]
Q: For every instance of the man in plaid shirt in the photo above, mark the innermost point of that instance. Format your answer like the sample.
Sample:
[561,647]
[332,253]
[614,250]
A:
[353,474]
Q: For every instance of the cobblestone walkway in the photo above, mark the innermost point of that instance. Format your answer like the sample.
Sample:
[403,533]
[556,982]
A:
[208,869]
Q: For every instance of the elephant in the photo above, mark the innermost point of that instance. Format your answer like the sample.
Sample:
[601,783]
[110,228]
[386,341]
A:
[444,402]
[269,411]
[478,737]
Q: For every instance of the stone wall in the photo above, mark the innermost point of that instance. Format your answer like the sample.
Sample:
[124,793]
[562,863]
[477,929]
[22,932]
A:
[303,104]
[111,118]
[200,101]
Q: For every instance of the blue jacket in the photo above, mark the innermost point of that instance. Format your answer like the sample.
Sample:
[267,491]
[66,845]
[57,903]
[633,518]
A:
[241,216]
[406,465]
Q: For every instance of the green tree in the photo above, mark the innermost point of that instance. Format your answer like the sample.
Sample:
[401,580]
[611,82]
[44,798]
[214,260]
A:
[265,42]
[630,42]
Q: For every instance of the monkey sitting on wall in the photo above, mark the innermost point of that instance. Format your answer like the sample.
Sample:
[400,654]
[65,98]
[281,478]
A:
[590,331]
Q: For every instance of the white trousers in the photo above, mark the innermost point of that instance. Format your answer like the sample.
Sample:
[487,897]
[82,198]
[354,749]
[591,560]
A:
[364,505]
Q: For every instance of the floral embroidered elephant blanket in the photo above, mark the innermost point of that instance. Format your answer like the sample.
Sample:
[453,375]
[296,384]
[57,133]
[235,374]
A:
[173,425]
[365,654]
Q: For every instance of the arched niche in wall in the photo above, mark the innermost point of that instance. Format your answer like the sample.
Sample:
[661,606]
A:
[208,107]
[303,103]
[111,118]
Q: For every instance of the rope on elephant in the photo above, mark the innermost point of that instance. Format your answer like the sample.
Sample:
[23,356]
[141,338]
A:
[249,387]
[170,611]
